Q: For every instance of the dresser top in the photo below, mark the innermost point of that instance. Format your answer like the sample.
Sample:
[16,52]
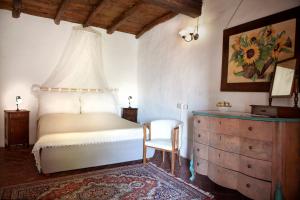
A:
[15,111]
[130,108]
[243,115]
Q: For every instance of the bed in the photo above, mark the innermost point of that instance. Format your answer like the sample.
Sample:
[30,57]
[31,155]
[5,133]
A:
[70,140]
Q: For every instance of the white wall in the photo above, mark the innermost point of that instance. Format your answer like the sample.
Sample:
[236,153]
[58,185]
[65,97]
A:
[172,71]
[30,48]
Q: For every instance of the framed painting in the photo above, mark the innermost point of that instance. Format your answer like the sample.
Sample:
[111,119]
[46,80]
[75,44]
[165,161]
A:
[251,50]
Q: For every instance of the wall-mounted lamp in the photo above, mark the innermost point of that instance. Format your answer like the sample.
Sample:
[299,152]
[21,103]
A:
[18,102]
[190,33]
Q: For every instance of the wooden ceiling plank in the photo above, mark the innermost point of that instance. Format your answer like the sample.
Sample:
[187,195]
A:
[60,11]
[121,18]
[16,10]
[190,8]
[155,22]
[93,13]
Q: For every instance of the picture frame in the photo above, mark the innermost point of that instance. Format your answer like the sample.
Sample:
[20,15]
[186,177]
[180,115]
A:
[251,50]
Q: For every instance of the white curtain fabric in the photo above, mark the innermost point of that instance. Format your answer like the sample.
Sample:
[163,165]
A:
[80,66]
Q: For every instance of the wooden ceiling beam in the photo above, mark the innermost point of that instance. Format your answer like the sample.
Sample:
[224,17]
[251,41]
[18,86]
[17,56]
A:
[155,22]
[121,18]
[190,8]
[16,10]
[60,11]
[93,13]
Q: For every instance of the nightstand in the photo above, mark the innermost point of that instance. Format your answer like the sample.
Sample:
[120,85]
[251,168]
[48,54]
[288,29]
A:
[130,114]
[16,127]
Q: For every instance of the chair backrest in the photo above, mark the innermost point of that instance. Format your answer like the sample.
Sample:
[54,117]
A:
[162,129]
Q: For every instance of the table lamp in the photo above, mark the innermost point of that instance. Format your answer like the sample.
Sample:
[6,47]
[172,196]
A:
[18,102]
[129,101]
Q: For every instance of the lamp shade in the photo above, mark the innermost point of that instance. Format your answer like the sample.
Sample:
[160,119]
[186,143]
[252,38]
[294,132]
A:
[18,100]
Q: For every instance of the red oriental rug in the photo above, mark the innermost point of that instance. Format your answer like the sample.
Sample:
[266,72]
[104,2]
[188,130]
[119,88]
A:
[126,183]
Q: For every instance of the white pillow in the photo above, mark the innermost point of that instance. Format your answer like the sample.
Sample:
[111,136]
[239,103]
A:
[56,102]
[100,102]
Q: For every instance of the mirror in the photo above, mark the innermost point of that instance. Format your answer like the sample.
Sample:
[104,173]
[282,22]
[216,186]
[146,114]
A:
[282,85]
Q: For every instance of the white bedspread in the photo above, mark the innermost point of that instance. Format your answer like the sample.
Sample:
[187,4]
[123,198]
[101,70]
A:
[83,138]
[61,130]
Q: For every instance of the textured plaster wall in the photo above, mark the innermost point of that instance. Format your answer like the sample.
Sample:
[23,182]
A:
[30,48]
[171,71]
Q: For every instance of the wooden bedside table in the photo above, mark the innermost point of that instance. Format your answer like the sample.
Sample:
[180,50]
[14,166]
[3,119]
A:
[130,114]
[16,127]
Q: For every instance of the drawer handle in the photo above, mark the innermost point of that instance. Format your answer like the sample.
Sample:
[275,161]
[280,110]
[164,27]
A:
[250,147]
[248,185]
[249,166]
[199,121]
[198,149]
[197,164]
[220,122]
[199,135]
[220,137]
[250,128]
[219,155]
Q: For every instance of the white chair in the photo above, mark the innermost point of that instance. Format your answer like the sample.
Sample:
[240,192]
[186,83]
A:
[163,135]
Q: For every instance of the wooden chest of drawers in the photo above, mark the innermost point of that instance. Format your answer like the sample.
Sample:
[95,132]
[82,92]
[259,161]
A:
[251,155]
[16,127]
[130,114]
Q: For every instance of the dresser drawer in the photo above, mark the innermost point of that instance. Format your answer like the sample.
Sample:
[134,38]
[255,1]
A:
[225,126]
[201,166]
[256,168]
[257,130]
[129,114]
[201,123]
[225,142]
[201,151]
[256,149]
[254,188]
[222,176]
[223,158]
[201,136]
[19,115]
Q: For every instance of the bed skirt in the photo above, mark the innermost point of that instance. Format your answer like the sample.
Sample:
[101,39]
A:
[82,156]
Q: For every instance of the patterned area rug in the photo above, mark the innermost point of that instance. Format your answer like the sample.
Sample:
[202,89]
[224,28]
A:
[126,183]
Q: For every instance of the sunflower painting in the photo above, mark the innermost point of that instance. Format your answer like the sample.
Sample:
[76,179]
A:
[251,50]
[253,54]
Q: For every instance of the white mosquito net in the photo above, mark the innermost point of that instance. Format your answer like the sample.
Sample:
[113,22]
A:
[80,65]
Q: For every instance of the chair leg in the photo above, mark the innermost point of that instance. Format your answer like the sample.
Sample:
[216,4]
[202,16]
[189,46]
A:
[145,154]
[173,162]
[163,156]
[179,160]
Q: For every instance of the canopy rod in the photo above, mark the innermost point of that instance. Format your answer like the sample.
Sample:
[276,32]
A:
[57,89]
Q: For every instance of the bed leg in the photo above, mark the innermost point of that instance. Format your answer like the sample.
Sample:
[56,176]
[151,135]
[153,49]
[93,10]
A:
[163,156]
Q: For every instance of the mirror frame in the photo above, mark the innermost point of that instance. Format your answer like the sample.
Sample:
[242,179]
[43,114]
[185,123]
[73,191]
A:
[294,76]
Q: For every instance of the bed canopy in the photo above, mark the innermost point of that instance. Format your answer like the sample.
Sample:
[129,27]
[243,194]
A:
[79,70]
[80,65]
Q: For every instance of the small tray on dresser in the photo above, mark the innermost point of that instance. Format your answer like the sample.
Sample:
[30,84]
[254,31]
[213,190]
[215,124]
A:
[276,111]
